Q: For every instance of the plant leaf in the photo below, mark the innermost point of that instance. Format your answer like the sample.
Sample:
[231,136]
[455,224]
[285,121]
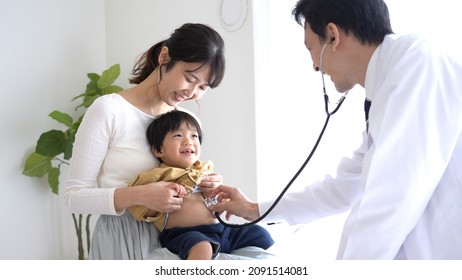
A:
[51,143]
[68,144]
[62,118]
[111,89]
[53,179]
[109,76]
[88,100]
[37,165]
[93,76]
[92,88]
[78,96]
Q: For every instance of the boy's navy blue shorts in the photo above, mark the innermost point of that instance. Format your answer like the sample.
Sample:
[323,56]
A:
[180,240]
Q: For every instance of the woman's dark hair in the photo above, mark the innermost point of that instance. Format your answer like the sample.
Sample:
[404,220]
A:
[192,43]
[167,122]
[367,20]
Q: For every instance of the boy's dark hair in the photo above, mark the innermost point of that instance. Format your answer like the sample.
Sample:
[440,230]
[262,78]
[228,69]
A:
[167,122]
[192,43]
[367,20]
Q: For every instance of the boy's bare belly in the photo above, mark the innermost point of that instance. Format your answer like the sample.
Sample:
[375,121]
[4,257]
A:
[192,213]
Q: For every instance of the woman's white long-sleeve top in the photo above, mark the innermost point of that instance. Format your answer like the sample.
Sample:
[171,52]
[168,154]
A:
[109,151]
[404,184]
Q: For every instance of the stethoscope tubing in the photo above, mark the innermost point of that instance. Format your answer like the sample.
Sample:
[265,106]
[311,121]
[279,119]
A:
[302,167]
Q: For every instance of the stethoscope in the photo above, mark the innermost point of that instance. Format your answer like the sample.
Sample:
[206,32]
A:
[329,114]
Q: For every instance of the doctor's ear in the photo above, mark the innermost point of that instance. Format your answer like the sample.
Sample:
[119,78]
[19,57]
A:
[332,32]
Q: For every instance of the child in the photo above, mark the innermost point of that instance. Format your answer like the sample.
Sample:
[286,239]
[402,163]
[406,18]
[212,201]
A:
[192,232]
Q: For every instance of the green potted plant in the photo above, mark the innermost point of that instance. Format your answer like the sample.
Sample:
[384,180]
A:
[54,147]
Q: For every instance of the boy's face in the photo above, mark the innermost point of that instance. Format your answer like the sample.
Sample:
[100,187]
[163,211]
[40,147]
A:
[180,148]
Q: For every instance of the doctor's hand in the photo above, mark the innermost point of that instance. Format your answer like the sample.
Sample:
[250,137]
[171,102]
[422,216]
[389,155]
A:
[234,202]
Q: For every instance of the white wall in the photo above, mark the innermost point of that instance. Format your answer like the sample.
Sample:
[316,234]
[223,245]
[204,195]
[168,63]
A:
[46,49]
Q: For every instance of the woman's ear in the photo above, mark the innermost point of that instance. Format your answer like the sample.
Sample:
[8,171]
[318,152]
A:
[164,57]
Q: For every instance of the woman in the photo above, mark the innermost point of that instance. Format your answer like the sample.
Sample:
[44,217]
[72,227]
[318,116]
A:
[110,148]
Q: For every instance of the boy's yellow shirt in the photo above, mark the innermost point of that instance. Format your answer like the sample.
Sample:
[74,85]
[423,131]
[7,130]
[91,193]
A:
[189,178]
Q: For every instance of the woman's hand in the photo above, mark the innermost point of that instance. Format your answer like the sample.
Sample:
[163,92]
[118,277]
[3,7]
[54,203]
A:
[175,194]
[234,202]
[181,190]
[210,182]
[158,196]
[164,196]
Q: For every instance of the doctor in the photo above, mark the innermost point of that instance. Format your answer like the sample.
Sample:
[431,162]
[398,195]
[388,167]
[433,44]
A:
[404,184]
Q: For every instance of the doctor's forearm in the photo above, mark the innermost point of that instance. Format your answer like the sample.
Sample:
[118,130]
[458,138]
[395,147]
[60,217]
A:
[252,211]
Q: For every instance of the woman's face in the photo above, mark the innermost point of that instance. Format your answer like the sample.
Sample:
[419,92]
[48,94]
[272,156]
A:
[185,81]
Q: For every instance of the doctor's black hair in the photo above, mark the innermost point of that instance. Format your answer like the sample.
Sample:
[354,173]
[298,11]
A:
[367,20]
[167,122]
[191,43]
